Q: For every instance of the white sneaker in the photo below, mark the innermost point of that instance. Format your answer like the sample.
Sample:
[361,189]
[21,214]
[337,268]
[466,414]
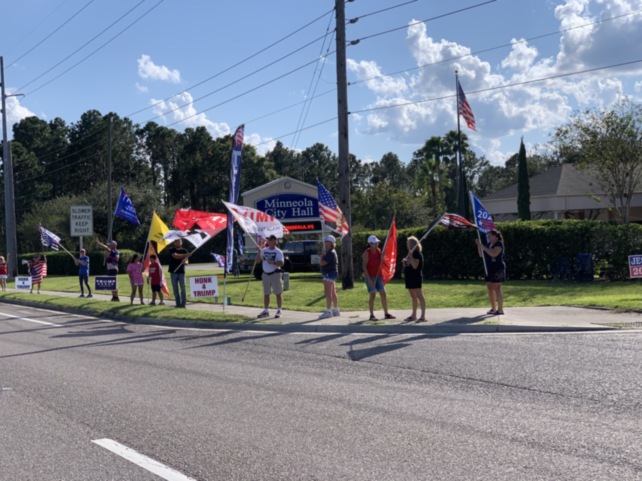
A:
[278,313]
[325,315]
[265,313]
[336,312]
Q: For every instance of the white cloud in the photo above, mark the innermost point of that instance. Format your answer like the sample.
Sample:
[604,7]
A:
[263,144]
[142,88]
[180,109]
[149,70]
[15,112]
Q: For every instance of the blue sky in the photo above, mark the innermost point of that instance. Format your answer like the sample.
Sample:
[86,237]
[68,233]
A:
[174,62]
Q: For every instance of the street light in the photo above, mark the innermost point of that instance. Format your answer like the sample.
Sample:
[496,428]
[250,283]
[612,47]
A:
[9,198]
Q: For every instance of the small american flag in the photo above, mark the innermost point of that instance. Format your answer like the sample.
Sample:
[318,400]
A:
[329,211]
[238,136]
[463,108]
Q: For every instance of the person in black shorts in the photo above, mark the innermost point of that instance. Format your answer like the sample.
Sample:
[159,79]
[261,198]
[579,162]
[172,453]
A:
[413,274]
[493,255]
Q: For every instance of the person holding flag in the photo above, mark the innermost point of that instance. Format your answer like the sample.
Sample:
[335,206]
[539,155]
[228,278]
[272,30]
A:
[413,275]
[493,255]
[178,259]
[83,272]
[372,260]
[113,257]
[37,271]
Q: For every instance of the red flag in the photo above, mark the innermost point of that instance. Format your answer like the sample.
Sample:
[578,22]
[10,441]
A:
[463,108]
[184,219]
[146,262]
[389,256]
[455,221]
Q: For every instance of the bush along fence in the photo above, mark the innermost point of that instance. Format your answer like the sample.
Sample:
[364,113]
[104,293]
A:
[541,249]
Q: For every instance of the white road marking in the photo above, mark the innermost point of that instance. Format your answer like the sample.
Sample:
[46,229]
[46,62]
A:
[141,460]
[31,320]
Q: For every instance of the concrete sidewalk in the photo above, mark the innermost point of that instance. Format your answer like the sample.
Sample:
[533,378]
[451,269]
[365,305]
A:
[453,320]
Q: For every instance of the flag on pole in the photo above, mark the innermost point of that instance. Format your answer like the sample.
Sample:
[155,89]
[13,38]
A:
[255,222]
[389,255]
[49,239]
[235,189]
[125,209]
[157,231]
[455,221]
[483,220]
[463,108]
[330,213]
[220,260]
[185,219]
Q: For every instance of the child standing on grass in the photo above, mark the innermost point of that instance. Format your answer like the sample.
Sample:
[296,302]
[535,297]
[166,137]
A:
[135,272]
[3,274]
[156,280]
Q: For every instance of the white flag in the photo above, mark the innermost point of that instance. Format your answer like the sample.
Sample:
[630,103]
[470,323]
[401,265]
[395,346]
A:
[255,222]
[198,237]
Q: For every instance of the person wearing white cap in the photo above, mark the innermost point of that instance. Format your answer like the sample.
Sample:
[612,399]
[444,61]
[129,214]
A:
[330,271]
[113,256]
[372,275]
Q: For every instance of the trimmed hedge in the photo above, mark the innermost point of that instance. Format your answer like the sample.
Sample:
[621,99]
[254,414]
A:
[533,248]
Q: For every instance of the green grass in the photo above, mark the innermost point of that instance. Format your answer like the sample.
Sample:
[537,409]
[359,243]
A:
[306,293]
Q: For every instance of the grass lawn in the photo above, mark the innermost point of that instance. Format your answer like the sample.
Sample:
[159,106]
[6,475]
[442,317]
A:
[306,293]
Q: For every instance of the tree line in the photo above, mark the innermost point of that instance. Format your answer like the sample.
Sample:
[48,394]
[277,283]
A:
[57,165]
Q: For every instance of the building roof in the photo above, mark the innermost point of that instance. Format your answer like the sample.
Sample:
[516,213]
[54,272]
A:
[281,180]
[563,180]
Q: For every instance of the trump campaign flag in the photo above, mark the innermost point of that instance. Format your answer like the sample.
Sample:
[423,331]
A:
[255,222]
[483,220]
[125,209]
[330,213]
[49,239]
[235,188]
[220,260]
[389,255]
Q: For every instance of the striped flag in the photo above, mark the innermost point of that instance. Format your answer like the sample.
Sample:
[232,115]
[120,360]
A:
[330,213]
[463,108]
[49,239]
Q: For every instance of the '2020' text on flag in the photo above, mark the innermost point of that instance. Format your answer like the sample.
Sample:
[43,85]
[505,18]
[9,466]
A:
[483,220]
[330,213]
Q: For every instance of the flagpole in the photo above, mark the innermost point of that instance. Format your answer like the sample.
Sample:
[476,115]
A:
[472,204]
[461,196]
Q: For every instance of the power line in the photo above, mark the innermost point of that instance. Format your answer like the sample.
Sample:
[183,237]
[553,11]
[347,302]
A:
[355,42]
[52,33]
[82,46]
[356,19]
[227,69]
[501,87]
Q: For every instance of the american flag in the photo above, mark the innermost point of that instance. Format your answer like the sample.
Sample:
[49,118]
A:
[463,108]
[49,239]
[238,136]
[329,211]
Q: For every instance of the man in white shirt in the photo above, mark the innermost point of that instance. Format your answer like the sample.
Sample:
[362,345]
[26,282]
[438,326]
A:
[271,259]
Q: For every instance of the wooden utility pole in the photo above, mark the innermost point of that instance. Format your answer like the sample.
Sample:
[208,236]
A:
[347,274]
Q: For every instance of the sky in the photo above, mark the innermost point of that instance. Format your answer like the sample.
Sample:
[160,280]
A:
[526,67]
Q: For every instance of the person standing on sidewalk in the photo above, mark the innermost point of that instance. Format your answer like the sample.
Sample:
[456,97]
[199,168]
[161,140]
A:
[135,272]
[156,280]
[178,259]
[3,273]
[83,272]
[37,271]
[271,259]
[330,271]
[413,274]
[372,275]
[113,256]
[493,255]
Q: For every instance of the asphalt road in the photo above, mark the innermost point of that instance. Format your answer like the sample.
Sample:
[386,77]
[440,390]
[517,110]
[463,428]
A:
[221,405]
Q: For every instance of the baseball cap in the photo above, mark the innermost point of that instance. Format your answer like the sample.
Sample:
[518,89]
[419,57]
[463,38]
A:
[373,240]
[330,239]
[272,237]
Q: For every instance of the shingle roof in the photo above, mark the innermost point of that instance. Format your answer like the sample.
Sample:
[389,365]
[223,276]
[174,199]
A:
[564,180]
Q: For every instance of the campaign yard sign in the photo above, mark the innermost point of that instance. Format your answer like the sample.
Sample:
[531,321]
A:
[635,266]
[105,283]
[203,286]
[23,282]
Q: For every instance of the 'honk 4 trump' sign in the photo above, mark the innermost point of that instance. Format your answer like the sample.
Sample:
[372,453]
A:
[203,286]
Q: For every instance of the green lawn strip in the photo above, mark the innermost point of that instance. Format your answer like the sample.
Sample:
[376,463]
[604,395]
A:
[105,308]
[306,293]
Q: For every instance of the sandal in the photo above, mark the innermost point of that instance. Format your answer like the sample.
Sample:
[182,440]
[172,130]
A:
[499,313]
[373,318]
[492,312]
[389,316]
[409,319]
[421,319]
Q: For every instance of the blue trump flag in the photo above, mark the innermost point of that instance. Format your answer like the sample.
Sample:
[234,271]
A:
[235,190]
[125,209]
[483,220]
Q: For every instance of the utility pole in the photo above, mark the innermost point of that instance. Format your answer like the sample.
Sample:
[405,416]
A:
[110,217]
[9,197]
[347,275]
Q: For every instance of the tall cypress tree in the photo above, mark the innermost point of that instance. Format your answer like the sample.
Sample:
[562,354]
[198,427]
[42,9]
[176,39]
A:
[523,187]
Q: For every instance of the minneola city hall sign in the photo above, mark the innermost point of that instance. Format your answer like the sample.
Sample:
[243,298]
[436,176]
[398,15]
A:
[293,202]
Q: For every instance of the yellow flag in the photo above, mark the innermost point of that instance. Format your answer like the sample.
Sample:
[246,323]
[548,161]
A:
[156,232]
